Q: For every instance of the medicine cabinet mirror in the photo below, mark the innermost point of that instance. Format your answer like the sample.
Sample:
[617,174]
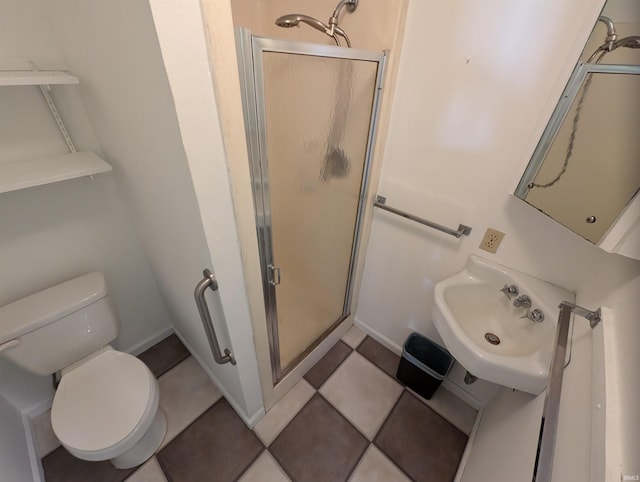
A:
[585,171]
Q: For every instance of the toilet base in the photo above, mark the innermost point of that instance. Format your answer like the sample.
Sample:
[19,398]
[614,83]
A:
[147,445]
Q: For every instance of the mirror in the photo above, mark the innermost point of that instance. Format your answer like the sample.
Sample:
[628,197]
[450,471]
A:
[586,168]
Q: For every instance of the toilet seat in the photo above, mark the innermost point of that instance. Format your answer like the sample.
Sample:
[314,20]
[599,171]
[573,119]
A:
[104,406]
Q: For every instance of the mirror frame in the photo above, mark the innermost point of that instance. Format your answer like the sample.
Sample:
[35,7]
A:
[576,81]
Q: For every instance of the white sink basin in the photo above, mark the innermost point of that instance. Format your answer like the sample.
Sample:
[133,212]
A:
[470,310]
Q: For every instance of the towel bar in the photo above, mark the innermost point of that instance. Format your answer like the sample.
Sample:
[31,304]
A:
[461,231]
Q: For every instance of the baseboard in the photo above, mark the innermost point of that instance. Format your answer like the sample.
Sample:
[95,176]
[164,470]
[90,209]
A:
[397,349]
[296,374]
[148,342]
[39,408]
[462,394]
[468,447]
[249,420]
[379,337]
[34,456]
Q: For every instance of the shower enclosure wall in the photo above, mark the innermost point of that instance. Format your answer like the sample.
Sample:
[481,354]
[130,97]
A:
[310,114]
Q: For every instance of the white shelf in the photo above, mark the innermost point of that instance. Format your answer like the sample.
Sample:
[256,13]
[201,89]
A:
[28,173]
[40,77]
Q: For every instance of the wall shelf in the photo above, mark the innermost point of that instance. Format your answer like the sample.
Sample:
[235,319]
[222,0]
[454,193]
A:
[40,77]
[17,175]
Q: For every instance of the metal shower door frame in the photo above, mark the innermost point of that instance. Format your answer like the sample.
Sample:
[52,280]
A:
[250,49]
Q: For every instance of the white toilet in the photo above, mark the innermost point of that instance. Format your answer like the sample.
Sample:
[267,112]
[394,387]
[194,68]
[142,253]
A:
[106,405]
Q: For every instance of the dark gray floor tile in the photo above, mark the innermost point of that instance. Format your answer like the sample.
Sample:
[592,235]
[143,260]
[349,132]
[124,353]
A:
[319,444]
[61,466]
[327,364]
[379,355]
[163,356]
[217,446]
[420,442]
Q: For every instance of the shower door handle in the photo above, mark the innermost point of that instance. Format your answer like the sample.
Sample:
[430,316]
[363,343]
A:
[210,282]
[275,280]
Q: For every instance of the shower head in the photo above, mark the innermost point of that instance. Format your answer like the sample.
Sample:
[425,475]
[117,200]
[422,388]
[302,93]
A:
[294,19]
[332,29]
[631,42]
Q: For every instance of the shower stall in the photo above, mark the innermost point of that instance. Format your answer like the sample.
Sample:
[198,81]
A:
[310,115]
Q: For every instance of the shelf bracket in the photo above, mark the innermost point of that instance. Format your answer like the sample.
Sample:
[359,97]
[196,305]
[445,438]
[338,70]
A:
[44,89]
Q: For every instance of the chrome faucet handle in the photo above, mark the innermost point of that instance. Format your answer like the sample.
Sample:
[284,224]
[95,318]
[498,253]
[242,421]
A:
[522,301]
[510,291]
[534,315]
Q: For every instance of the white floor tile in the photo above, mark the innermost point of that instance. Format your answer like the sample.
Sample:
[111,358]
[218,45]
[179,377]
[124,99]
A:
[265,469]
[363,393]
[375,467]
[354,337]
[150,471]
[185,393]
[268,428]
[452,408]
[46,438]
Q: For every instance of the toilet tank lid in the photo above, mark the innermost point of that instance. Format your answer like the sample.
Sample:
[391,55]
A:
[44,307]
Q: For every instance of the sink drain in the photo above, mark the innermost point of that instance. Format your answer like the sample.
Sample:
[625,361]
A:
[492,338]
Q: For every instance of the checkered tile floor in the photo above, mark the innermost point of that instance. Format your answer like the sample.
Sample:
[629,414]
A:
[348,419]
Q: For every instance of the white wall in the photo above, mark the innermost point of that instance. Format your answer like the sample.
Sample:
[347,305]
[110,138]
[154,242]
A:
[55,232]
[26,37]
[465,120]
[15,465]
[615,283]
[504,446]
[180,29]
[474,91]
[612,281]
[113,48]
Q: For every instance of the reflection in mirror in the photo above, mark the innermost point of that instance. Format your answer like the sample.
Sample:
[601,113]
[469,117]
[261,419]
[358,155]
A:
[586,167]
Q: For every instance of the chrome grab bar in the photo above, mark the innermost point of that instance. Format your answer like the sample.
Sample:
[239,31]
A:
[461,231]
[551,413]
[210,282]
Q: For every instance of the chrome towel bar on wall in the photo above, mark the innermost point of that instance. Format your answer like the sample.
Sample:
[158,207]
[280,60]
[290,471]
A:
[210,282]
[461,231]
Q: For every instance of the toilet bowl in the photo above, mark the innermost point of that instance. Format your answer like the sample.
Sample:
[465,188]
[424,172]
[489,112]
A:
[106,406]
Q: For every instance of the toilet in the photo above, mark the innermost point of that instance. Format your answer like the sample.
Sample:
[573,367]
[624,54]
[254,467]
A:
[106,404]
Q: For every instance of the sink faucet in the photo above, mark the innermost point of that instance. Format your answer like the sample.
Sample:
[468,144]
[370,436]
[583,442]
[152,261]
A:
[536,315]
[510,291]
[522,301]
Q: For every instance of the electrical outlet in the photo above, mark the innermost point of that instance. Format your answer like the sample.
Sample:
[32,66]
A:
[491,240]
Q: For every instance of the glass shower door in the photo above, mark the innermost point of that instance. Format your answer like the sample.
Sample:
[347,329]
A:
[314,115]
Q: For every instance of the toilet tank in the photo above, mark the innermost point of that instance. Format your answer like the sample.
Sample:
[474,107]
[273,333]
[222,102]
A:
[49,330]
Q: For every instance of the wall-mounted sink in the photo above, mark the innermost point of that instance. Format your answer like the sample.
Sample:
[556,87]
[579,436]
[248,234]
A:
[488,335]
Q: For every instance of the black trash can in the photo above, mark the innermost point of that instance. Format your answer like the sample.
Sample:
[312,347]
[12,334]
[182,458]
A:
[423,365]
